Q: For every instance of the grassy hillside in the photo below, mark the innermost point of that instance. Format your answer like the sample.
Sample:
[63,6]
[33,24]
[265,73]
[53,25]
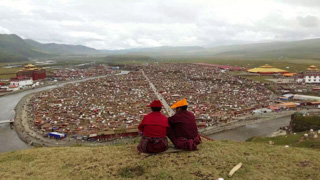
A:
[14,49]
[308,49]
[5,57]
[62,49]
[212,160]
[13,45]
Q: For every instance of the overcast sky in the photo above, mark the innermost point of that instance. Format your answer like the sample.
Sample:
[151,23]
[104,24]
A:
[122,24]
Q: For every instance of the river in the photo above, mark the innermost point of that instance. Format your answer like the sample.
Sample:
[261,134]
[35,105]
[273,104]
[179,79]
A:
[242,133]
[9,140]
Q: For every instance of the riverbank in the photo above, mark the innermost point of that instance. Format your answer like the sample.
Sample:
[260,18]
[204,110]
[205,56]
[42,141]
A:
[250,120]
[22,127]
[27,89]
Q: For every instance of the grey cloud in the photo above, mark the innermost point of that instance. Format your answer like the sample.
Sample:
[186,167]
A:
[308,21]
[127,24]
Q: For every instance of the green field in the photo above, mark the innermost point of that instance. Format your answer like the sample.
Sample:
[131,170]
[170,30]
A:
[6,73]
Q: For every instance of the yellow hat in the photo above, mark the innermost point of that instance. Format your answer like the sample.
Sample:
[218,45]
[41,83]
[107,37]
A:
[180,103]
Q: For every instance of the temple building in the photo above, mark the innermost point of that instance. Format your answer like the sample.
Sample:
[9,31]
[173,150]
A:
[311,75]
[32,71]
[267,69]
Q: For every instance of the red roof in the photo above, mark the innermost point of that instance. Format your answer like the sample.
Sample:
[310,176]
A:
[19,78]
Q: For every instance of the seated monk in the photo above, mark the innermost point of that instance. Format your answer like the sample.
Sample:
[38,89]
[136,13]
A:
[183,131]
[154,128]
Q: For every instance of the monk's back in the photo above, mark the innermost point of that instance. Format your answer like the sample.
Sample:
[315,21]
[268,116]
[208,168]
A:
[184,124]
[156,125]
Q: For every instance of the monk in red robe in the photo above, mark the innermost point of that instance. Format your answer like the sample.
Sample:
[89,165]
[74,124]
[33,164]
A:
[183,131]
[154,128]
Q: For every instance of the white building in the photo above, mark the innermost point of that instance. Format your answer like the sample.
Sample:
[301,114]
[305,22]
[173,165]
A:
[21,81]
[312,75]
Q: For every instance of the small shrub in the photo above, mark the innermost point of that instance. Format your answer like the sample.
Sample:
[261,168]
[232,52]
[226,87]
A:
[301,123]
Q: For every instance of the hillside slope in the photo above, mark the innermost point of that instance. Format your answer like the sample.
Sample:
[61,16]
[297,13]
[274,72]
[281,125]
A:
[309,48]
[5,57]
[212,160]
[62,49]
[13,45]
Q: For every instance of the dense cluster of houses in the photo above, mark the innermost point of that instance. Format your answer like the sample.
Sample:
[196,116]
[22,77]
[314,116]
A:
[94,109]
[213,95]
[113,106]
[79,72]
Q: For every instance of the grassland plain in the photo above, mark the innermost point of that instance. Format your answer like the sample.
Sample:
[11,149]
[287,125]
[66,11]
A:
[6,73]
[213,159]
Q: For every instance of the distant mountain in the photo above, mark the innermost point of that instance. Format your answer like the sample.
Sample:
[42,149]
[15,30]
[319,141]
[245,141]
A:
[14,48]
[4,57]
[294,49]
[62,49]
[159,51]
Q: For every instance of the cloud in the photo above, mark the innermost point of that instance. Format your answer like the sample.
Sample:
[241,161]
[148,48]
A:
[308,21]
[4,30]
[122,24]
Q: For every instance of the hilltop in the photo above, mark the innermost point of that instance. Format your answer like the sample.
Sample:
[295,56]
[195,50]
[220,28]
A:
[62,49]
[14,48]
[212,160]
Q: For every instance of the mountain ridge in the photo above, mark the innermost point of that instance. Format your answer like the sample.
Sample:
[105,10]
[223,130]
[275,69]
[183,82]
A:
[62,49]
[14,48]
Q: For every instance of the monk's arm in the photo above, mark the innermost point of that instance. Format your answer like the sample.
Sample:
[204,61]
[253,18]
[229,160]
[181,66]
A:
[140,127]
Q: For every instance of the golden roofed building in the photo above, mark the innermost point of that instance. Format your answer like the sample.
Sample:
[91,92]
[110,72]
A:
[267,69]
[312,68]
[31,70]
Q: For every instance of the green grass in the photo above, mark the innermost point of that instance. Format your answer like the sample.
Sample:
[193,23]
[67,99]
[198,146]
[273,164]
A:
[293,140]
[212,160]
[7,73]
